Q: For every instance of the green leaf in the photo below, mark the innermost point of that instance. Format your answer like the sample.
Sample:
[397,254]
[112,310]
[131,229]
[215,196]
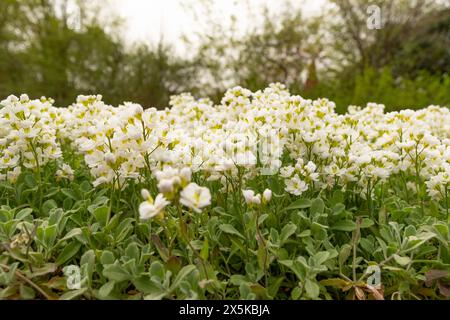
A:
[344,254]
[297,267]
[123,230]
[6,215]
[156,295]
[72,233]
[320,257]
[50,234]
[319,231]
[146,285]
[133,251]
[113,222]
[298,204]
[106,289]
[366,223]
[26,292]
[442,229]
[184,272]
[275,286]
[228,228]
[9,228]
[263,258]
[246,292]
[6,185]
[204,253]
[382,216]
[173,265]
[22,214]
[287,231]
[312,289]
[10,275]
[101,214]
[162,250]
[335,282]
[85,186]
[344,225]
[116,272]
[441,232]
[67,204]
[338,198]
[70,193]
[70,295]
[88,260]
[338,209]
[296,292]
[157,270]
[48,206]
[305,234]
[416,241]
[107,257]
[275,184]
[68,252]
[403,261]
[317,206]
[30,181]
[367,245]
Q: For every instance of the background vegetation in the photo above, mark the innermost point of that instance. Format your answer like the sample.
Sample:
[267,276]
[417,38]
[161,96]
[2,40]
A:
[63,48]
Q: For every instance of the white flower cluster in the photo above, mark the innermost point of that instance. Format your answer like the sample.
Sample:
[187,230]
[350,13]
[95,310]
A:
[253,199]
[312,146]
[114,141]
[174,185]
[28,135]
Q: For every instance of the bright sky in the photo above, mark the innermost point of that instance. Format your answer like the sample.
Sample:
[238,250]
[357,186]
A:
[147,20]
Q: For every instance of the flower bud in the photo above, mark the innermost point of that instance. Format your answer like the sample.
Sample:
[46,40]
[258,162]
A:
[145,194]
[186,175]
[110,158]
[165,186]
[267,195]
[248,196]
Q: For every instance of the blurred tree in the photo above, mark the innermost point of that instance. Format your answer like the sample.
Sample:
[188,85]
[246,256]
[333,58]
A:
[413,37]
[282,46]
[153,75]
[389,65]
[286,53]
[427,47]
[62,48]
[56,48]
[9,56]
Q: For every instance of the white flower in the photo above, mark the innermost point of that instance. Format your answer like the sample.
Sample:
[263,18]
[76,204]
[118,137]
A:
[149,208]
[99,181]
[24,98]
[257,199]
[195,197]
[65,172]
[166,186]
[251,198]
[267,195]
[145,194]
[296,186]
[310,167]
[110,158]
[227,164]
[248,196]
[186,174]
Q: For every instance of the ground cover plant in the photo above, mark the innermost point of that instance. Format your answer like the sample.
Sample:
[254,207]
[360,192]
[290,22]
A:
[264,196]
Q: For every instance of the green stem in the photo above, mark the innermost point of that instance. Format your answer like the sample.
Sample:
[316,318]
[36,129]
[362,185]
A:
[263,243]
[185,234]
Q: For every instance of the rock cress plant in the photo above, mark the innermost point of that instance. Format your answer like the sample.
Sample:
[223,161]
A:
[264,195]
